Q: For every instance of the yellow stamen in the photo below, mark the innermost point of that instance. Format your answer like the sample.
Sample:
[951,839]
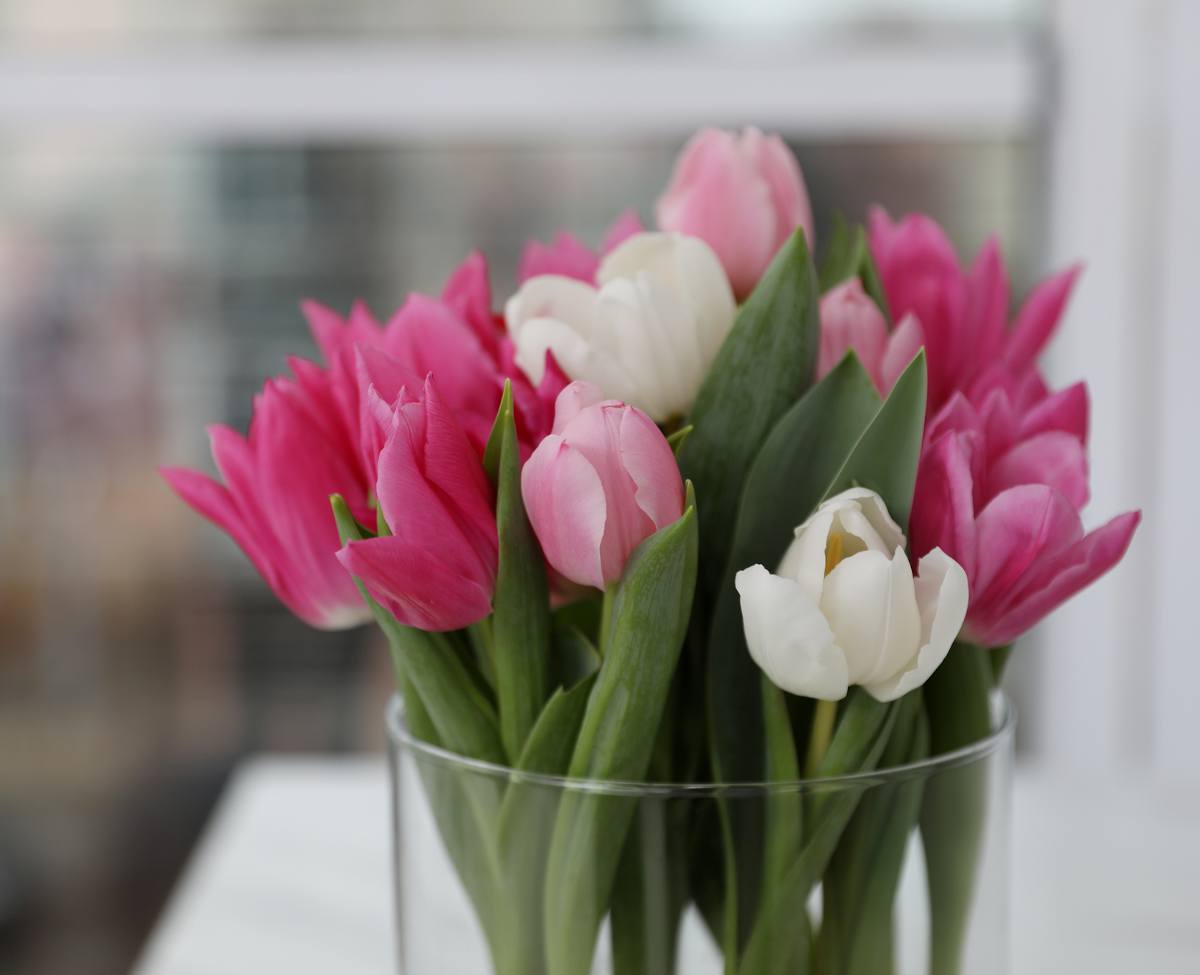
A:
[833,551]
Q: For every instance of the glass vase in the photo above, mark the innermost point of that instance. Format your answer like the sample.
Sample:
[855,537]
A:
[901,871]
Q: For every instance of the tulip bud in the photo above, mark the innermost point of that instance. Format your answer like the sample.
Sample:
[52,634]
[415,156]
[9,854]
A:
[646,335]
[844,607]
[437,568]
[850,320]
[743,194]
[599,485]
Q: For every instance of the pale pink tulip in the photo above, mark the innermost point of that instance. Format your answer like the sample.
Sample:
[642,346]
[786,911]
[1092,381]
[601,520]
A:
[599,485]
[274,501]
[437,568]
[742,193]
[850,319]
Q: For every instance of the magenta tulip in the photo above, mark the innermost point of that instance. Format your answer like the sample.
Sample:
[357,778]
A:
[743,194]
[999,490]
[569,257]
[851,320]
[963,312]
[456,338]
[437,568]
[275,499]
[599,485]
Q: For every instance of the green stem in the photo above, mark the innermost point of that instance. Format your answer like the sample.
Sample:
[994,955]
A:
[824,718]
[606,608]
[483,644]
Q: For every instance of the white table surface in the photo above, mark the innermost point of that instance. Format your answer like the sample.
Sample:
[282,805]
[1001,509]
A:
[293,876]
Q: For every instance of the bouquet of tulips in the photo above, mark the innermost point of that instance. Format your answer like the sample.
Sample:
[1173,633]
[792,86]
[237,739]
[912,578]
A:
[687,510]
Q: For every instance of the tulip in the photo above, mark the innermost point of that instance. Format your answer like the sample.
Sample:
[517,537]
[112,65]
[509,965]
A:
[646,335]
[456,338]
[850,320]
[963,312]
[437,568]
[275,499]
[599,485]
[844,608]
[1012,521]
[570,257]
[742,193]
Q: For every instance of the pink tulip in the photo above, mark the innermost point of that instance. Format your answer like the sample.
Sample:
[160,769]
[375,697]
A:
[437,569]
[275,499]
[999,491]
[963,311]
[743,194]
[599,485]
[851,320]
[455,338]
[570,257]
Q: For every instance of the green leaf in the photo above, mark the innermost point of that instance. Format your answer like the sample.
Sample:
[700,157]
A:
[954,810]
[650,611]
[790,475]
[886,455]
[847,255]
[574,656]
[858,743]
[463,718]
[551,743]
[801,456]
[679,438]
[860,883]
[765,364]
[650,890]
[521,606]
[840,260]
[783,836]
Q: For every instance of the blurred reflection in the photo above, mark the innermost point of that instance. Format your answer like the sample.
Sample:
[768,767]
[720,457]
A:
[146,290]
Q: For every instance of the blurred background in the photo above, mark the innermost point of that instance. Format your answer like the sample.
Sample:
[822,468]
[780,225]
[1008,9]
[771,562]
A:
[174,178]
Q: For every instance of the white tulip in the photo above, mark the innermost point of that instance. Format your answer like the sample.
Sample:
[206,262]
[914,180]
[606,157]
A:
[646,334]
[844,608]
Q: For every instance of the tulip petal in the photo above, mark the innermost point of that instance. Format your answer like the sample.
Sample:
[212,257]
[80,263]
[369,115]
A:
[1038,319]
[851,320]
[649,461]
[451,464]
[575,398]
[987,307]
[213,500]
[625,226]
[943,511]
[1018,529]
[1056,579]
[788,636]
[942,596]
[565,501]
[468,294]
[1065,410]
[789,196]
[418,513]
[1054,458]
[567,257]
[902,346]
[416,584]
[869,603]
[717,194]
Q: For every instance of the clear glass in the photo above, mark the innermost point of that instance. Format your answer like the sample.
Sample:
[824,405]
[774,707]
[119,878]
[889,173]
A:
[504,872]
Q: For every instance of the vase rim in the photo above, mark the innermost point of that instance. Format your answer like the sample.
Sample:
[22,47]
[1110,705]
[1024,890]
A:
[1004,719]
